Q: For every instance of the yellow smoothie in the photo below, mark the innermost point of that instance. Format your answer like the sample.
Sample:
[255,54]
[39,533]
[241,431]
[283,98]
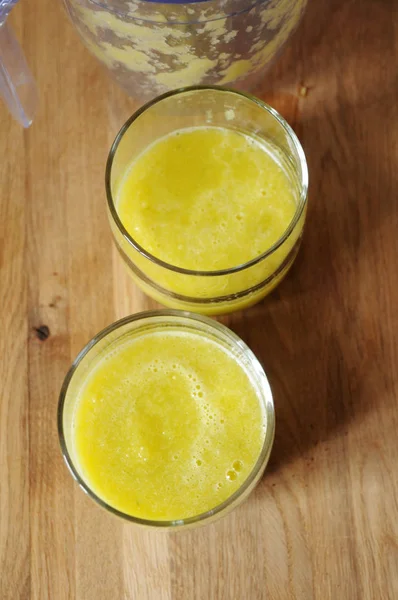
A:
[167,425]
[206,199]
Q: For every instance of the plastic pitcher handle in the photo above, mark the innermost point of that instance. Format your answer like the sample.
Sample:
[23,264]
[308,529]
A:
[17,86]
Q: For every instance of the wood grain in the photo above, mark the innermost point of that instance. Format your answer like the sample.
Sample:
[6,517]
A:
[323,523]
[14,404]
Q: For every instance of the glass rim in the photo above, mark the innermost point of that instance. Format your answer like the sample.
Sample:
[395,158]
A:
[201,272]
[267,400]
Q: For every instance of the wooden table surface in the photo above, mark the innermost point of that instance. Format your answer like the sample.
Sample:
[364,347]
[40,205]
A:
[323,523]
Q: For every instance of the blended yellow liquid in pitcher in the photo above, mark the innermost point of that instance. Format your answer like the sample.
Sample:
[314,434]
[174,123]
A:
[167,425]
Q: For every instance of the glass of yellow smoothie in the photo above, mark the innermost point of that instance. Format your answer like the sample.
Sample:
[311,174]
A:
[166,419]
[207,194]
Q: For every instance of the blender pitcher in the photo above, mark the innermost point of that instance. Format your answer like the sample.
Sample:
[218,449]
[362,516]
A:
[152,47]
[17,86]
